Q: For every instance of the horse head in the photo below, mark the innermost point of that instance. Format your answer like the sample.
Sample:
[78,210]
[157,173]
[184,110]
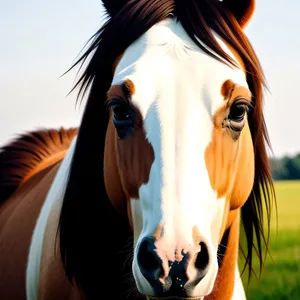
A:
[170,151]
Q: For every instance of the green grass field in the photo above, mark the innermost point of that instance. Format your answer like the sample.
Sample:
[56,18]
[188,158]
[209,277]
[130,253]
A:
[281,276]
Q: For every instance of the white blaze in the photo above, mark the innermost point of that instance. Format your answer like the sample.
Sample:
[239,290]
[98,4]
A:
[177,90]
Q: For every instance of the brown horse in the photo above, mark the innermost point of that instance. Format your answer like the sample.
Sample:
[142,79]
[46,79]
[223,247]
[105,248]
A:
[145,199]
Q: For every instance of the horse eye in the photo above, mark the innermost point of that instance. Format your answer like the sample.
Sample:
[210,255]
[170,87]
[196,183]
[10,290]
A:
[123,117]
[120,112]
[237,112]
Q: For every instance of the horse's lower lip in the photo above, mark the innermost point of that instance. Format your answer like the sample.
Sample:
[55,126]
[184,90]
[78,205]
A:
[173,298]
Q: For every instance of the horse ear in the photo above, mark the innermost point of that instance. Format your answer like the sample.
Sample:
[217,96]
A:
[113,6]
[242,10]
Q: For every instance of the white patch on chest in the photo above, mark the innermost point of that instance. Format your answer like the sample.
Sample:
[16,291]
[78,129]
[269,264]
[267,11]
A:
[54,198]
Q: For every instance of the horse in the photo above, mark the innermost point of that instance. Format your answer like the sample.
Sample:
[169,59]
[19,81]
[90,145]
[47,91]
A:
[145,199]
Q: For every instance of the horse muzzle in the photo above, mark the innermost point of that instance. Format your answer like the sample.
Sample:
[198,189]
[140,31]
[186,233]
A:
[173,298]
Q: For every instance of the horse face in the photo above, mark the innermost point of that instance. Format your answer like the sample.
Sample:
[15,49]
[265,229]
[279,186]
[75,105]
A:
[179,150]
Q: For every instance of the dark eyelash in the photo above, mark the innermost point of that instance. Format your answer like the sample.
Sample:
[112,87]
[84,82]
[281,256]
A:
[243,101]
[115,101]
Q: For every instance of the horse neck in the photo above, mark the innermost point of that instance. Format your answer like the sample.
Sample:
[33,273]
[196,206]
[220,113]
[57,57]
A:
[224,286]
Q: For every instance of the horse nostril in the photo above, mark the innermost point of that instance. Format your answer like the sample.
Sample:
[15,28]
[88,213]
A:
[149,262]
[202,258]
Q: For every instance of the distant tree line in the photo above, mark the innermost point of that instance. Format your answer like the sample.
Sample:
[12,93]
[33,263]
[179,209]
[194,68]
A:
[286,168]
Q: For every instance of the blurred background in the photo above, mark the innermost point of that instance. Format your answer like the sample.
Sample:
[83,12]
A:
[41,40]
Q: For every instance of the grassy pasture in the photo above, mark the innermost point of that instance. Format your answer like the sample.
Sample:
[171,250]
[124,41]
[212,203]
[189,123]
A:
[281,276]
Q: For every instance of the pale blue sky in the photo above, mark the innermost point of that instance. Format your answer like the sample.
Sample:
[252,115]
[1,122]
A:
[41,39]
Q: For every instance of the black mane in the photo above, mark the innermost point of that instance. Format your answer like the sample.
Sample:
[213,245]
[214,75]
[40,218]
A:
[91,231]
